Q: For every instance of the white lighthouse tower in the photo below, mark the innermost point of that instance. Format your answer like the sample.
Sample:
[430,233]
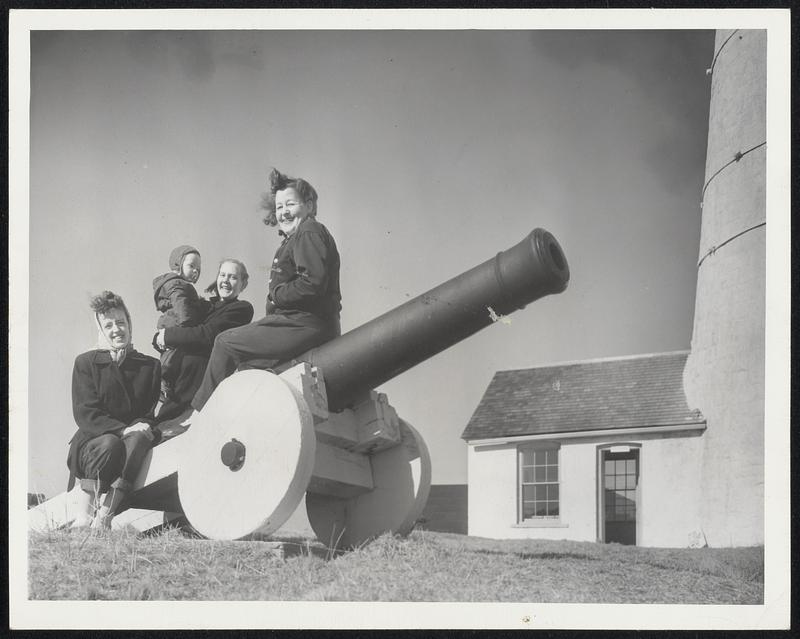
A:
[724,375]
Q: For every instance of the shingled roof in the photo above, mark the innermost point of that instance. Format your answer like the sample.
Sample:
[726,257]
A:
[619,393]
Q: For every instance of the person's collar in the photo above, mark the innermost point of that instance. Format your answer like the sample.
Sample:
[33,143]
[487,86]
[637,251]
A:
[119,355]
[103,355]
[297,228]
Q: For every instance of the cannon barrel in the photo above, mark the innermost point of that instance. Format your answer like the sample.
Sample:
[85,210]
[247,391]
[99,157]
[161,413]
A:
[392,343]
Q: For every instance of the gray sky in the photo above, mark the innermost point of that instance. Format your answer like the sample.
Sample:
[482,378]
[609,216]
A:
[431,152]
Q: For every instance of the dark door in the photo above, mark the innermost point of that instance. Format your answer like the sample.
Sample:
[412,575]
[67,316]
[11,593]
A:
[620,478]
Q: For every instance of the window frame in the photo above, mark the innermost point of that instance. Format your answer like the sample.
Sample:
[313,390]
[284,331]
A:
[533,447]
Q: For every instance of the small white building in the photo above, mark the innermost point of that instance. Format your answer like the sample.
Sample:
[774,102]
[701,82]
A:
[604,450]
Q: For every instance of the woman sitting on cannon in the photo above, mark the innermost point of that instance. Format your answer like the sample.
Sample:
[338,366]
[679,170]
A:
[303,301]
[195,342]
[114,393]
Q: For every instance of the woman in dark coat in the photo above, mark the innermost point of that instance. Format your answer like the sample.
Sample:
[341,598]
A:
[114,392]
[195,342]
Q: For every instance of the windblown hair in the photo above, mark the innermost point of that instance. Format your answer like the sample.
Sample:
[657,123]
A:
[211,289]
[106,301]
[278,182]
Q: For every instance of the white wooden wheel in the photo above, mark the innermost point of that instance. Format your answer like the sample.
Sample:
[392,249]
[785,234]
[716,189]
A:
[402,478]
[247,458]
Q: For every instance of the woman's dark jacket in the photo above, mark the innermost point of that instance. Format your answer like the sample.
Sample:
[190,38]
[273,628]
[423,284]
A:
[304,279]
[195,343]
[106,398]
[199,339]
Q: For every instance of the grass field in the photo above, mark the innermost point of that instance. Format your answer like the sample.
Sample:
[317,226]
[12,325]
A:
[426,566]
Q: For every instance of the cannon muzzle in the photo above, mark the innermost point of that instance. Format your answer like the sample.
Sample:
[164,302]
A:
[426,325]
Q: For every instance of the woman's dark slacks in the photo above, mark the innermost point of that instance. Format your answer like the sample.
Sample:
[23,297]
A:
[111,461]
[271,340]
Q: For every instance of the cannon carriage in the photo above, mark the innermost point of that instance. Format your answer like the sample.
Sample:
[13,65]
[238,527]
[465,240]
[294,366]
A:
[315,426]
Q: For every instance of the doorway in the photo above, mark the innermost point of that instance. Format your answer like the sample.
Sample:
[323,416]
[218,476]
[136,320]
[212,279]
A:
[620,482]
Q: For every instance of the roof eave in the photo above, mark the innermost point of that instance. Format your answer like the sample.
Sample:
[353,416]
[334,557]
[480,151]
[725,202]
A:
[585,434]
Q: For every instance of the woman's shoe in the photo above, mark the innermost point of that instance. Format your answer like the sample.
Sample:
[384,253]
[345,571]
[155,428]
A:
[102,520]
[190,418]
[86,508]
[177,425]
[106,512]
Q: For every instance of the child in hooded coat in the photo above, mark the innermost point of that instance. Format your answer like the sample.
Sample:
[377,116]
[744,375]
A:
[180,305]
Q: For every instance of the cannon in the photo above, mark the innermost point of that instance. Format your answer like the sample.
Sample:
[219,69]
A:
[315,427]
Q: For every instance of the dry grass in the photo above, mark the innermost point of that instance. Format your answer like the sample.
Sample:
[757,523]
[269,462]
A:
[426,566]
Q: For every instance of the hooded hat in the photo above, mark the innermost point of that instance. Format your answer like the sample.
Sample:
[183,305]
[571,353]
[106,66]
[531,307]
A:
[177,255]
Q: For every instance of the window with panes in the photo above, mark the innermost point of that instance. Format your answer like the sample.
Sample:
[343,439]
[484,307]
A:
[538,476]
[620,476]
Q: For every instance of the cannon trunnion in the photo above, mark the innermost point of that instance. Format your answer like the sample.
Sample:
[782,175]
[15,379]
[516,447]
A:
[315,427]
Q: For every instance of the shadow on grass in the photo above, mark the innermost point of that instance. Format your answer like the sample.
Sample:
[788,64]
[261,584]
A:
[539,555]
[292,546]
[300,546]
[180,526]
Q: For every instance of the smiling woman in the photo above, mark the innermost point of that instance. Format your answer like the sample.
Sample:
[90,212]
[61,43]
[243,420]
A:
[114,393]
[194,342]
